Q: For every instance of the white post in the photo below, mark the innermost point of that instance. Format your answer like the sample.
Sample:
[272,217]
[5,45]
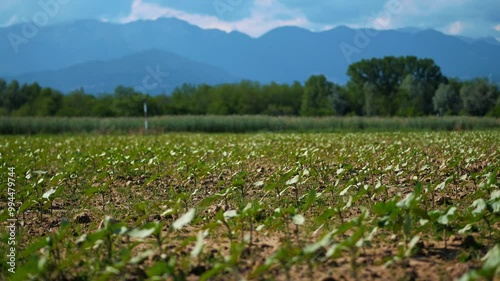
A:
[145,116]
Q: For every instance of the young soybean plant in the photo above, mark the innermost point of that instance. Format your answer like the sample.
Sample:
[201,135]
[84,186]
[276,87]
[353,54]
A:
[355,241]
[44,259]
[442,220]
[490,269]
[162,269]
[154,229]
[483,210]
[248,213]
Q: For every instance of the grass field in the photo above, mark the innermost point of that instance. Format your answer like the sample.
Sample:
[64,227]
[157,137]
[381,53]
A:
[342,206]
[240,124]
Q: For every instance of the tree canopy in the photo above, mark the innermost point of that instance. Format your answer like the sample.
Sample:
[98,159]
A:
[389,86]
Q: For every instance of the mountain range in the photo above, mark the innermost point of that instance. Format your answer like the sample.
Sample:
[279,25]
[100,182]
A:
[99,56]
[154,71]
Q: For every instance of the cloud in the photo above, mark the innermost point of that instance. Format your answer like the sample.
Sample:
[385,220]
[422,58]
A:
[265,15]
[256,17]
[426,7]
[13,20]
[477,17]
[455,28]
[142,10]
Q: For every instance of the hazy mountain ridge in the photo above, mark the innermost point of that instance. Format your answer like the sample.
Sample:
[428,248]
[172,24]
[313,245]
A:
[154,71]
[283,54]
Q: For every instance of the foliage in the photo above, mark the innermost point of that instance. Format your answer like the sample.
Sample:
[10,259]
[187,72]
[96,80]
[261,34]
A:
[389,86]
[478,96]
[254,206]
[389,74]
[239,124]
[446,101]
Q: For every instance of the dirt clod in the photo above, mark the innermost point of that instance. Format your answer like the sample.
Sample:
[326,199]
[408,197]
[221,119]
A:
[469,242]
[443,200]
[82,218]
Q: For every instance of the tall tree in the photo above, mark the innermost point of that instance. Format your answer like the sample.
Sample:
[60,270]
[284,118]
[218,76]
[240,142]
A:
[249,97]
[478,96]
[127,102]
[446,101]
[338,100]
[411,98]
[315,100]
[387,74]
[355,98]
[372,101]
[77,103]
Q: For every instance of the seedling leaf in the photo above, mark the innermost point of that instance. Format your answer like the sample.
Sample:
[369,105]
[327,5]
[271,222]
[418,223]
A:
[47,194]
[444,219]
[141,233]
[480,205]
[230,214]
[199,244]
[492,258]
[293,180]
[184,219]
[298,219]
[142,256]
[259,184]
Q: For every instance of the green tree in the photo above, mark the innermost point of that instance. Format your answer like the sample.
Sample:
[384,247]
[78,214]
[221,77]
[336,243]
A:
[184,99]
[478,96]
[315,101]
[77,103]
[103,106]
[281,99]
[3,98]
[127,102]
[202,99]
[292,97]
[446,101]
[388,73]
[371,100]
[495,111]
[37,101]
[223,101]
[249,96]
[355,97]
[411,97]
[11,97]
[338,100]
[163,104]
[48,102]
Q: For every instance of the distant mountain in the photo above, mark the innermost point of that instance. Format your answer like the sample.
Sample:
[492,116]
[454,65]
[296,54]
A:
[66,44]
[151,71]
[284,54]
[409,29]
[490,40]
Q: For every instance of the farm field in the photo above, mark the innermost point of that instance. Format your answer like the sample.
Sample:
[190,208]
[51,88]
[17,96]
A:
[262,206]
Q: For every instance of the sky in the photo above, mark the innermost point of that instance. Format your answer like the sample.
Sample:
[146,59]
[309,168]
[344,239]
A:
[471,18]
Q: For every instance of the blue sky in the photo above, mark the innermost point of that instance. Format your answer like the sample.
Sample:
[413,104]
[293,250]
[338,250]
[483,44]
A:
[473,18]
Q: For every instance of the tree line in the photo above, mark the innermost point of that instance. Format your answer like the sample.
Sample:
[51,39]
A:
[389,86]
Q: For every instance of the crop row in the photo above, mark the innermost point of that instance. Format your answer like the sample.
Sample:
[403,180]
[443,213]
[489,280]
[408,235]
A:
[286,206]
